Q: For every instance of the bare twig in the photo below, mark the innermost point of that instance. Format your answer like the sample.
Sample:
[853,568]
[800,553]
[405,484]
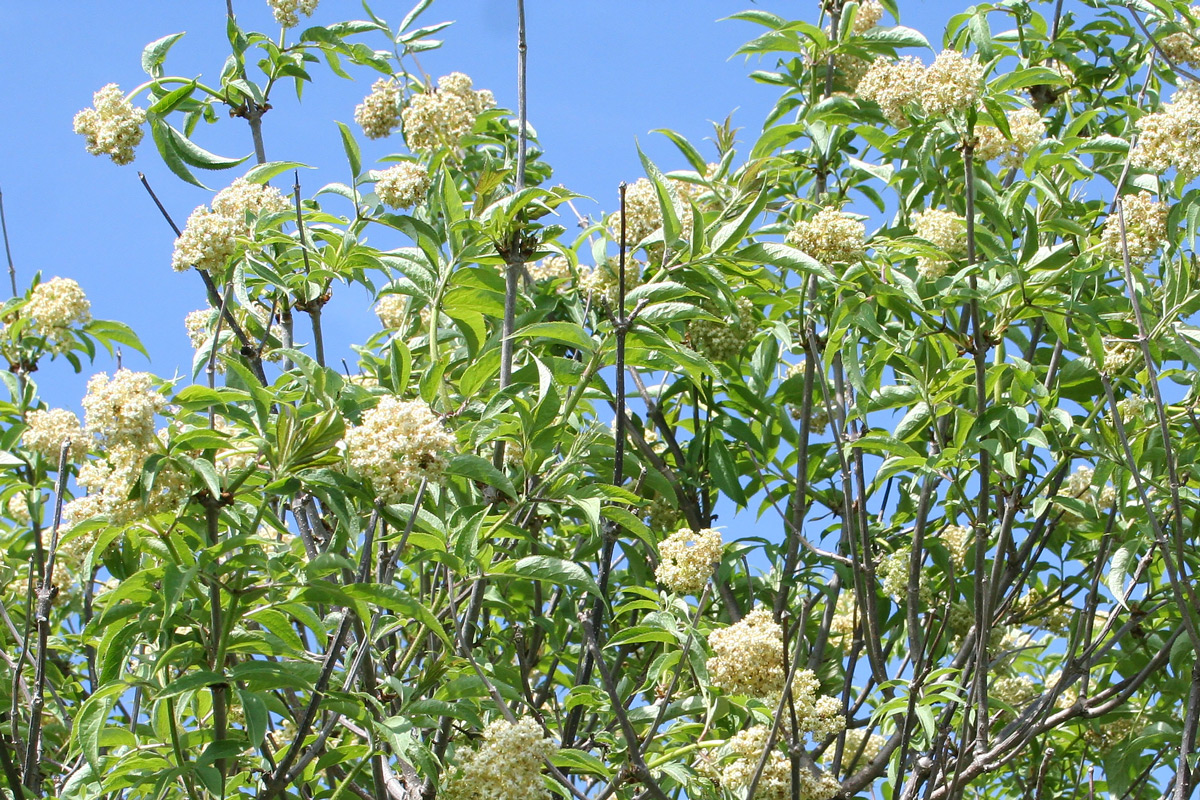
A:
[12,270]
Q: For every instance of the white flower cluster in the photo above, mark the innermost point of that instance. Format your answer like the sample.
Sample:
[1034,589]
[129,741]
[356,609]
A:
[402,186]
[552,268]
[688,559]
[201,325]
[946,231]
[1181,48]
[893,570]
[856,741]
[437,119]
[775,783]
[112,479]
[55,306]
[1171,137]
[210,238]
[1145,229]
[379,112]
[286,10]
[952,83]
[121,411]
[17,506]
[392,310]
[49,429]
[868,16]
[1118,354]
[957,540]
[113,126]
[399,443]
[725,340]
[1027,129]
[507,766]
[845,618]
[602,285]
[1017,691]
[643,214]
[831,237]
[748,656]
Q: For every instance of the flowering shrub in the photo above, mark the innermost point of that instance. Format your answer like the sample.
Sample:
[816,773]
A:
[926,347]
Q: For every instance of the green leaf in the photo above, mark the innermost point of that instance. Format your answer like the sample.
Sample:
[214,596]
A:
[1117,572]
[350,145]
[476,468]
[168,149]
[551,570]
[109,331]
[565,332]
[155,54]
[265,172]
[196,156]
[724,471]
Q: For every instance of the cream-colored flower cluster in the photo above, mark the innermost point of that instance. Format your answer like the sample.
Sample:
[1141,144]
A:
[944,230]
[893,572]
[113,126]
[437,119]
[845,618]
[553,268]
[507,766]
[17,506]
[775,783]
[1118,354]
[210,238]
[49,429]
[688,559]
[957,539]
[952,83]
[1027,129]
[1017,691]
[601,284]
[870,747]
[1045,610]
[392,310]
[201,325]
[1181,48]
[662,515]
[643,214]
[868,16]
[818,714]
[1171,137]
[112,479]
[1132,408]
[379,112]
[831,237]
[748,656]
[1145,229]
[55,306]
[1080,481]
[121,410]
[725,340]
[286,10]
[399,443]
[402,186]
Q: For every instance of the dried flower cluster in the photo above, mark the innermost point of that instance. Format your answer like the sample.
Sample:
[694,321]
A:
[775,783]
[113,126]
[392,310]
[1145,229]
[688,559]
[724,341]
[54,307]
[379,112]
[121,411]
[946,231]
[507,766]
[398,444]
[952,83]
[831,237]
[1171,137]
[643,214]
[1027,129]
[436,119]
[49,429]
[402,186]
[210,238]
[286,10]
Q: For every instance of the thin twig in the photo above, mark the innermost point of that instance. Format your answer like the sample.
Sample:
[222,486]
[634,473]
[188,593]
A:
[12,270]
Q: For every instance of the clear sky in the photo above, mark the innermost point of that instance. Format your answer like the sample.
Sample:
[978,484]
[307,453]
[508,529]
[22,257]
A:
[602,75]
